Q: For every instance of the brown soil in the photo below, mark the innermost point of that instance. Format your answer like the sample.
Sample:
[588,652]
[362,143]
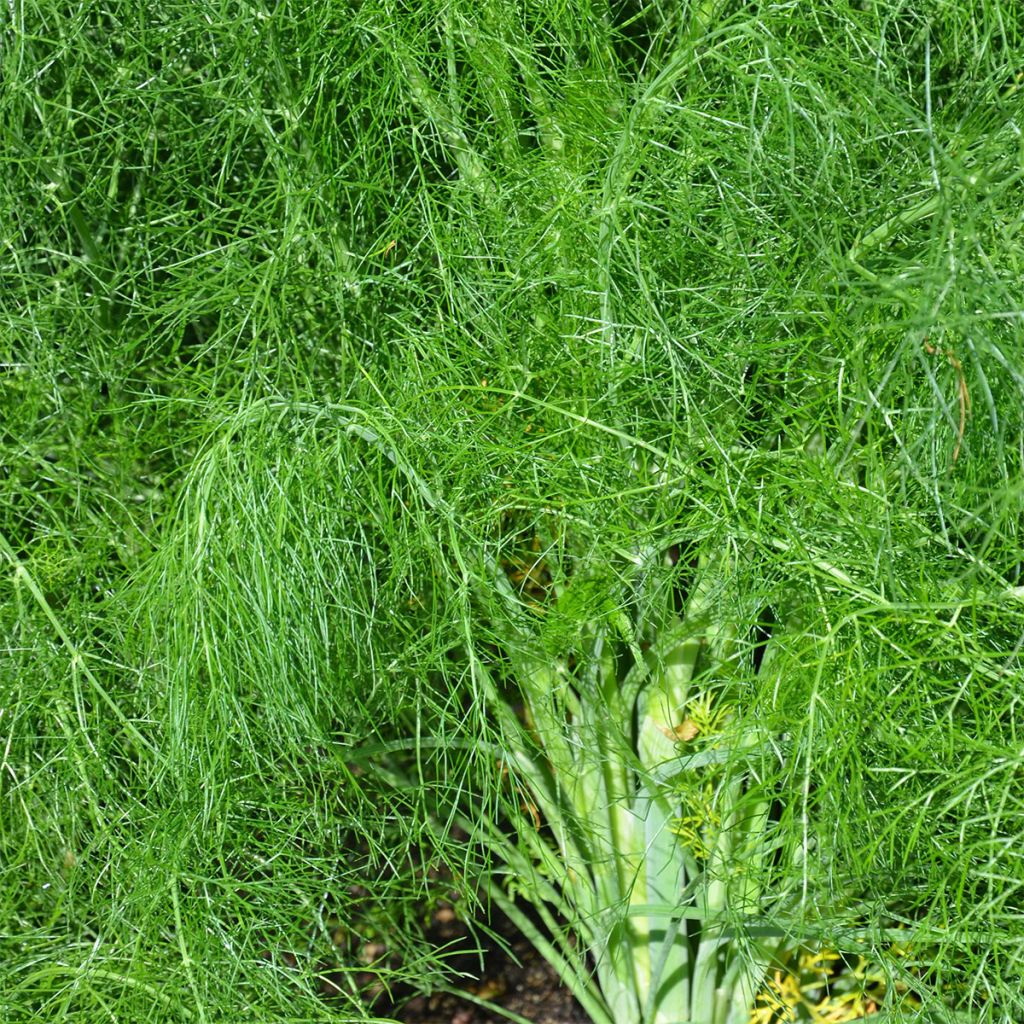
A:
[522,983]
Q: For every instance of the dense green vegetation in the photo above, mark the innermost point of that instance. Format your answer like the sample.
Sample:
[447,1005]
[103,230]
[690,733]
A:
[567,453]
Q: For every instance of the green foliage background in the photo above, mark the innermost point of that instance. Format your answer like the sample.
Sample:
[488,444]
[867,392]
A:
[312,312]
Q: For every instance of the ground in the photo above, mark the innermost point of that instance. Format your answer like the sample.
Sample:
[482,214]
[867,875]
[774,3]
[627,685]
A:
[522,983]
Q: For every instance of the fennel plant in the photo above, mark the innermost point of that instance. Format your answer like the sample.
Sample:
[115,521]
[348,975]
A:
[565,453]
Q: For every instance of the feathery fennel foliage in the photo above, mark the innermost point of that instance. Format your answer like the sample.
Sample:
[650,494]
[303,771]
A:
[566,453]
